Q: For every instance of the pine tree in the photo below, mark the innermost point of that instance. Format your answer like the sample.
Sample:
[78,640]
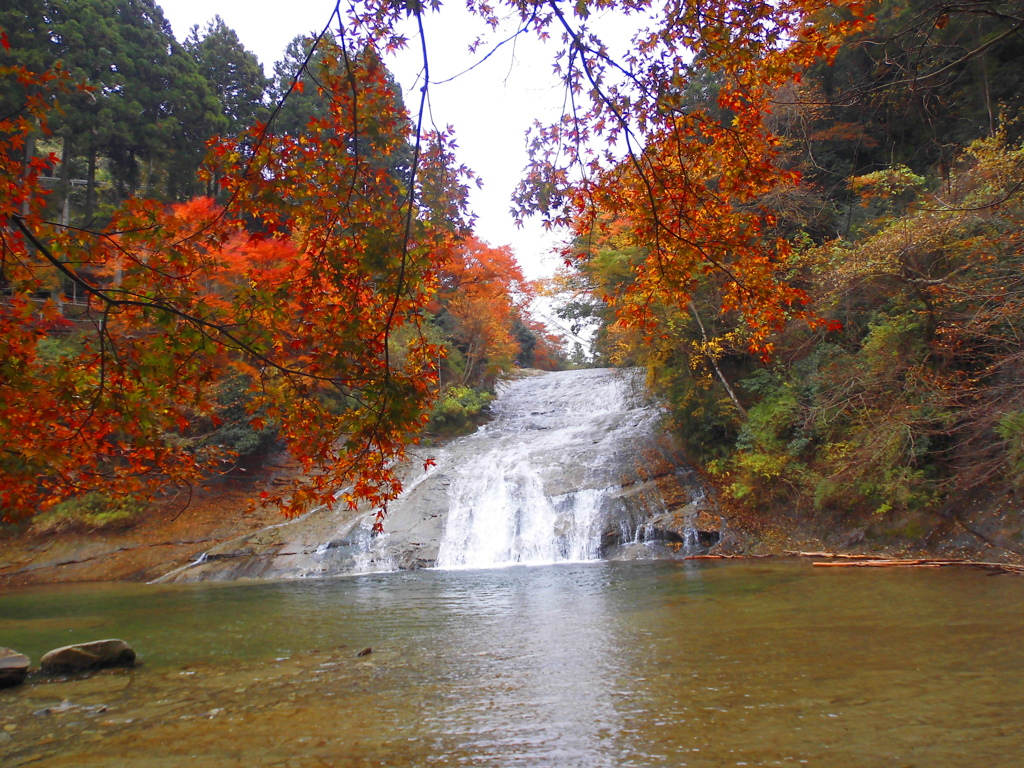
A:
[234,72]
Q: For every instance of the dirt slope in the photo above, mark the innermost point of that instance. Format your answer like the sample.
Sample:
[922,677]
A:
[171,534]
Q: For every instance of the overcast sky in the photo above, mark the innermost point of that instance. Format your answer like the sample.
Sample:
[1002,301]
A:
[490,107]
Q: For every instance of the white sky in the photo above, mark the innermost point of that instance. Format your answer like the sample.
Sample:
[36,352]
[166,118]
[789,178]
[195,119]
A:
[490,107]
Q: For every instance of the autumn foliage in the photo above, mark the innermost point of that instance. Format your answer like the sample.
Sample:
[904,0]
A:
[890,223]
[482,292]
[332,269]
[685,179]
[301,283]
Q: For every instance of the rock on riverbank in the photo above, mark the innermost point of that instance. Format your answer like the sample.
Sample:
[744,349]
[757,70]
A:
[82,656]
[13,667]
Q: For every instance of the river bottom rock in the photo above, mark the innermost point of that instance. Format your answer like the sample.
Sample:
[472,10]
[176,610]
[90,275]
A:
[13,667]
[83,656]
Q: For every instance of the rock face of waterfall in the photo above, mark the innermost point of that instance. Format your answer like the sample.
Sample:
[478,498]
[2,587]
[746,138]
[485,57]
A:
[540,483]
[571,467]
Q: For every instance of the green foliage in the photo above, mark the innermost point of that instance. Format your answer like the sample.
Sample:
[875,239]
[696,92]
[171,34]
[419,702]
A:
[890,182]
[527,341]
[458,410]
[299,104]
[914,398]
[51,349]
[917,396]
[148,109]
[236,431]
[909,92]
[578,358]
[25,24]
[293,92]
[234,72]
[701,417]
[770,442]
[149,100]
[1011,429]
[92,512]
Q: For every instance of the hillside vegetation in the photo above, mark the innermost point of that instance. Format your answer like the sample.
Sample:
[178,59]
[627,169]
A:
[892,390]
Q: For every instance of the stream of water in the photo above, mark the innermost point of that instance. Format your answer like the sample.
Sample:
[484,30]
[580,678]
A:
[536,483]
[704,664]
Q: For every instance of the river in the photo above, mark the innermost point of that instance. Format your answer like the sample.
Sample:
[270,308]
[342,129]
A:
[758,663]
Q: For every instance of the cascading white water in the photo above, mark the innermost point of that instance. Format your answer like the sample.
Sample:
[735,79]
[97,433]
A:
[530,486]
[571,468]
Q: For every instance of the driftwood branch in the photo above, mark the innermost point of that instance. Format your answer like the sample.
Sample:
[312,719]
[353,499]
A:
[922,563]
[842,560]
[837,560]
[830,555]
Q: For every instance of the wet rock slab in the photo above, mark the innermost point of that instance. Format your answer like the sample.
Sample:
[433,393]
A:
[570,456]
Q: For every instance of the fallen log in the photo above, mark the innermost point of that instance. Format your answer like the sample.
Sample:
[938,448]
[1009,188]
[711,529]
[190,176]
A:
[837,555]
[921,563]
[841,560]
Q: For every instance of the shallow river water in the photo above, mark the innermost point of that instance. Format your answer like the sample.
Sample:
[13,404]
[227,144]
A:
[597,664]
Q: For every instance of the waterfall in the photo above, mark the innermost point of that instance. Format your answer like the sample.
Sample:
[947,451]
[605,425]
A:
[533,486]
[570,468]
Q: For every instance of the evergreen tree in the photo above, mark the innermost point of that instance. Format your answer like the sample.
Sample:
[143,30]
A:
[302,102]
[234,72]
[27,28]
[149,110]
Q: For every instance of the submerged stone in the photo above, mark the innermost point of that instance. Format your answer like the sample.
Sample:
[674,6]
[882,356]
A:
[94,655]
[13,667]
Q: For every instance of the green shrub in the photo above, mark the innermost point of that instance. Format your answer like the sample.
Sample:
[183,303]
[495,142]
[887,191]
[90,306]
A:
[236,431]
[93,511]
[53,349]
[1011,429]
[770,444]
[698,413]
[458,410]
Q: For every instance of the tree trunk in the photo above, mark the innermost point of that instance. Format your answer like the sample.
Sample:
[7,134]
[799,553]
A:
[90,187]
[65,182]
[147,183]
[986,93]
[30,150]
[471,361]
[714,363]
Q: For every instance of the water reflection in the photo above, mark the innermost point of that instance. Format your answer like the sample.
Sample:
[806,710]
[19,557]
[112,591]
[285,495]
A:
[537,665]
[612,664]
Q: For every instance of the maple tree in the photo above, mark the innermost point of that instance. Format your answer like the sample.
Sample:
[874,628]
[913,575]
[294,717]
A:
[300,282]
[688,181]
[482,293]
[869,215]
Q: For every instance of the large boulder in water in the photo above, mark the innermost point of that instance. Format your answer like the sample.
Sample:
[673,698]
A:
[94,655]
[13,667]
